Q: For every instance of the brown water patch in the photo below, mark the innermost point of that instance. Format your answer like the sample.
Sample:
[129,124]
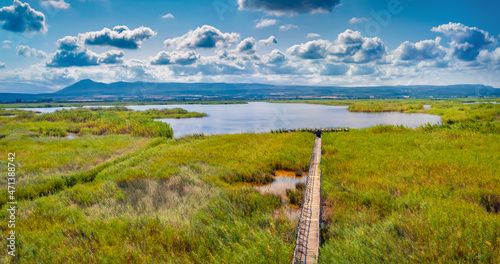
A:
[284,180]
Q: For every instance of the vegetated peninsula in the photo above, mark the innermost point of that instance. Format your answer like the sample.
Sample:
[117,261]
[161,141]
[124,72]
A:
[97,91]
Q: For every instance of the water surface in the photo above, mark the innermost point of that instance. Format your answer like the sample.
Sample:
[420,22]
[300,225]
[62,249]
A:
[257,117]
[283,181]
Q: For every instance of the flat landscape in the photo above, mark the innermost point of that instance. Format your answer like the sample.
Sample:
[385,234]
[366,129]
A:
[390,194]
[249,132]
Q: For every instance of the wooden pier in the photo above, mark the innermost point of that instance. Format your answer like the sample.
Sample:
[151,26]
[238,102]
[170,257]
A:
[308,232]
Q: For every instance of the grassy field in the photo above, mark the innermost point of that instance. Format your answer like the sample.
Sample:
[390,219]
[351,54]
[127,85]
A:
[395,195]
[93,121]
[137,199]
[390,194]
[400,105]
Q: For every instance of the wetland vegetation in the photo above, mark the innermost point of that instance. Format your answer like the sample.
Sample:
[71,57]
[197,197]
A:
[124,190]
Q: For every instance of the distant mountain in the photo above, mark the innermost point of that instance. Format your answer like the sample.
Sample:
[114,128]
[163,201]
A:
[90,90]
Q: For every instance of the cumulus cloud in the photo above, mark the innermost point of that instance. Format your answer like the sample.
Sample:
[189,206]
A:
[316,49]
[20,17]
[26,51]
[65,58]
[71,52]
[349,46]
[467,42]
[268,41]
[358,20]
[289,7]
[68,43]
[490,57]
[111,57]
[2,65]
[60,4]
[246,46]
[313,35]
[202,37]
[169,15]
[275,57]
[422,50]
[175,57]
[266,23]
[119,37]
[288,27]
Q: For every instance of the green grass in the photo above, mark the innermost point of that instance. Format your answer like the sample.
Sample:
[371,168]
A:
[411,196]
[177,201]
[391,194]
[99,121]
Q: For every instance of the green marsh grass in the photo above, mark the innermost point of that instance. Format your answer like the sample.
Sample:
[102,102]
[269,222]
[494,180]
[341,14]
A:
[411,196]
[391,194]
[103,121]
[178,202]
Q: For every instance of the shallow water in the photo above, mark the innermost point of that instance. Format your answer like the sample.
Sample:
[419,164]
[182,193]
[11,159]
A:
[480,102]
[257,117]
[283,181]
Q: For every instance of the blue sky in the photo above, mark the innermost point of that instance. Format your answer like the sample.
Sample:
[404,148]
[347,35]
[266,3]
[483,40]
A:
[49,44]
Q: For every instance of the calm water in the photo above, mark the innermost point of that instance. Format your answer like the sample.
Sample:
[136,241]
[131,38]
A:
[264,117]
[281,183]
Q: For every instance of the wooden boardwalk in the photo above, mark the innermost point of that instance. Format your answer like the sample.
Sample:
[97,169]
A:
[308,233]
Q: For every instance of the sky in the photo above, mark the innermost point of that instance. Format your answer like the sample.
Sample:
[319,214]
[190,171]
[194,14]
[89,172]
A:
[47,45]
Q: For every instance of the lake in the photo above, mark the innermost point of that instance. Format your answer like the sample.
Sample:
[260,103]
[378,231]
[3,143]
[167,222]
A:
[256,117]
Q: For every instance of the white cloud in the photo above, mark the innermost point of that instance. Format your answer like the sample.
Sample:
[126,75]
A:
[69,43]
[422,50]
[26,51]
[288,27]
[490,58]
[467,42]
[119,37]
[202,37]
[246,46]
[71,52]
[313,35]
[20,17]
[316,49]
[169,15]
[175,57]
[6,44]
[358,20]
[111,57]
[268,41]
[275,57]
[266,23]
[349,46]
[60,4]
